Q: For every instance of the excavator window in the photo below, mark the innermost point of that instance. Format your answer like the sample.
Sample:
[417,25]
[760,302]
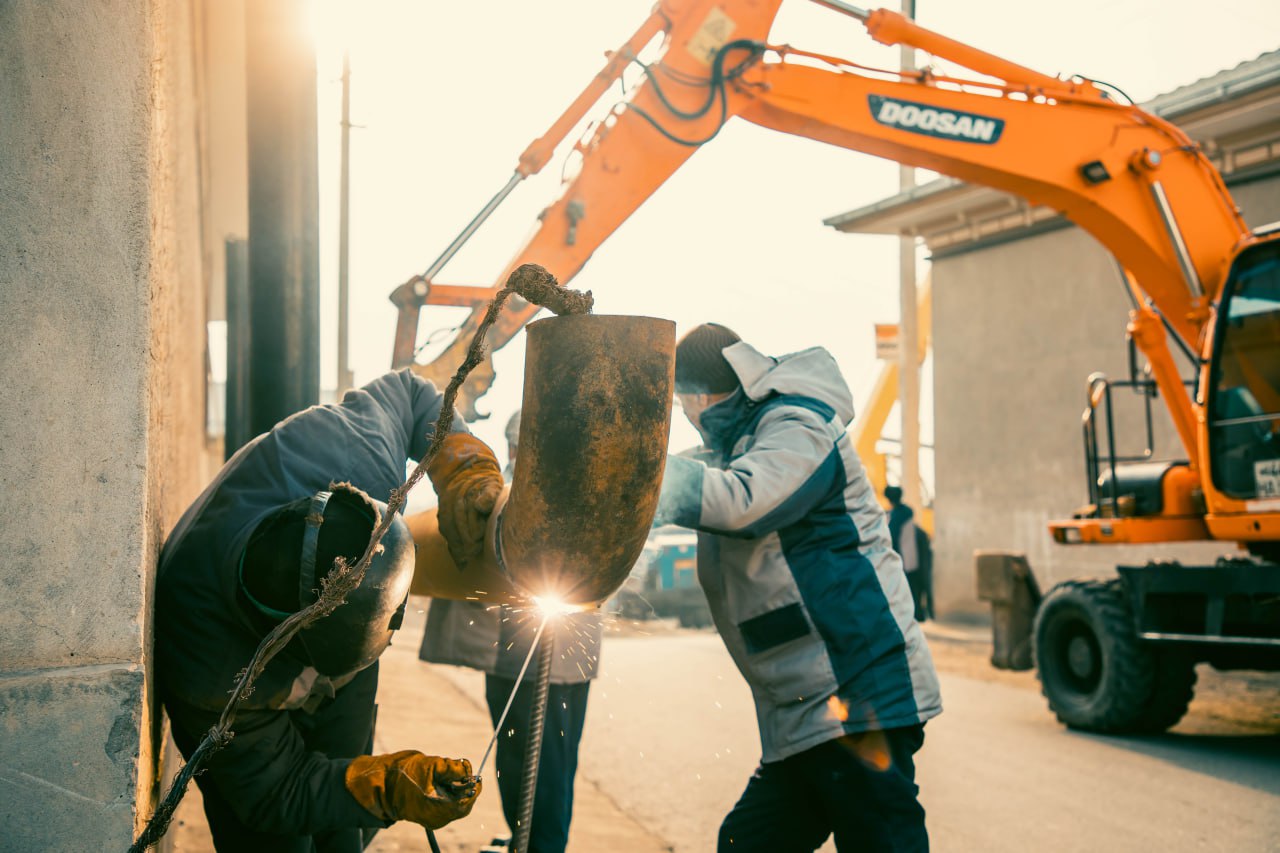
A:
[1244,438]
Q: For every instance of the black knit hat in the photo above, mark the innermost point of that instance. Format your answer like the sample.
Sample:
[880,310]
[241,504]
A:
[701,367]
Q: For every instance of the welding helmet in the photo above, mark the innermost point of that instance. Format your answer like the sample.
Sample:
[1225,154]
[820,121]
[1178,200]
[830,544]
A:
[292,552]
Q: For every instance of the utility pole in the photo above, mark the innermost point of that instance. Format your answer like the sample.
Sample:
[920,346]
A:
[344,229]
[908,327]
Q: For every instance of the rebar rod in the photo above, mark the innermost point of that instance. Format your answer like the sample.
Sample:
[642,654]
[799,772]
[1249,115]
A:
[511,699]
[533,746]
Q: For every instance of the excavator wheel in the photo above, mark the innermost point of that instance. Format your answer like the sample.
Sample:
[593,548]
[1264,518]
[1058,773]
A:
[1095,672]
[1174,686]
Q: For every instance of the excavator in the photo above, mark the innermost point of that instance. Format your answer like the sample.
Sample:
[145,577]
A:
[1112,656]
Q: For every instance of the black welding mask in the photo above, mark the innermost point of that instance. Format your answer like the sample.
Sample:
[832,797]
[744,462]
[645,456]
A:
[294,550]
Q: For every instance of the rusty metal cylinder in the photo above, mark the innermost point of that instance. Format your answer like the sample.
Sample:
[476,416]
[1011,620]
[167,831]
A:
[593,444]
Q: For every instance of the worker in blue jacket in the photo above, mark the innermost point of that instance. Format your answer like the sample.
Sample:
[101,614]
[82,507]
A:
[795,559]
[253,549]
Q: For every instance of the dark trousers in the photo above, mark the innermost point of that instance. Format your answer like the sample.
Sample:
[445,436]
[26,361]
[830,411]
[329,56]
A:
[553,800]
[342,727]
[860,787]
[921,586]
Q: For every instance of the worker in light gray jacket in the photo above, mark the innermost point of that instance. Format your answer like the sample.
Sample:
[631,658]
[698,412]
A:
[496,640]
[805,589]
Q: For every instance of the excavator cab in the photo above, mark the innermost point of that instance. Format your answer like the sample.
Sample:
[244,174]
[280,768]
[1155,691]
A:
[1244,387]
[1137,498]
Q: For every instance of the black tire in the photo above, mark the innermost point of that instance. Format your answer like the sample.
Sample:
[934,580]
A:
[1095,672]
[1173,688]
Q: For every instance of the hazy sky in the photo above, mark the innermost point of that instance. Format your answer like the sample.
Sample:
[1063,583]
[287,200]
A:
[449,94]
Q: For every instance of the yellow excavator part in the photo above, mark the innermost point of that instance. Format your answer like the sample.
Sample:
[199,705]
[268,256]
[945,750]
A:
[869,423]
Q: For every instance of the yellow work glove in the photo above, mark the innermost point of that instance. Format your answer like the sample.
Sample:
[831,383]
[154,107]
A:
[408,785]
[467,479]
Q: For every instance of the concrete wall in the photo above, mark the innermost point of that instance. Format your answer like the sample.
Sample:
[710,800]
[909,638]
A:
[1017,329]
[102,310]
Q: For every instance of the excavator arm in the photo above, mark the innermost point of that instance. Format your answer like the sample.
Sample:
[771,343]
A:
[1136,183]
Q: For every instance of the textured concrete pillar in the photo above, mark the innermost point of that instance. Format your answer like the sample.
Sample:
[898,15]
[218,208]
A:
[101,397]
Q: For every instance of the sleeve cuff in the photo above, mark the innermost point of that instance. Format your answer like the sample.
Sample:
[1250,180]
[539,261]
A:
[680,501]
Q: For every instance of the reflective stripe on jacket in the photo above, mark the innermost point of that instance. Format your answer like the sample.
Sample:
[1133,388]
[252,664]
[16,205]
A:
[204,631]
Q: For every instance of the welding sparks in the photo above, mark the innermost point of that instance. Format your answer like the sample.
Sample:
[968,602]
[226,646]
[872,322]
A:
[552,605]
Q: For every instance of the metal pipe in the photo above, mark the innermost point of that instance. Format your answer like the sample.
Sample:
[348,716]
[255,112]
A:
[474,224]
[844,9]
[237,431]
[533,746]
[344,229]
[1187,266]
[436,575]
[593,446]
[908,325]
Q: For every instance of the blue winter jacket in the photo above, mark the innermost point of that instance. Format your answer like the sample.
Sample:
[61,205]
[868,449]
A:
[204,634]
[795,558]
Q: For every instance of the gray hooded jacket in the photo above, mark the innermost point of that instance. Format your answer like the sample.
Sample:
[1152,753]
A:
[795,558]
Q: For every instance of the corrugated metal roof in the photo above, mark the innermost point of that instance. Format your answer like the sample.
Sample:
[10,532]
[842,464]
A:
[916,193]
[1248,76]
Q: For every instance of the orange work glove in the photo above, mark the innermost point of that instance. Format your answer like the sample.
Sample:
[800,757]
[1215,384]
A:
[408,785]
[468,481]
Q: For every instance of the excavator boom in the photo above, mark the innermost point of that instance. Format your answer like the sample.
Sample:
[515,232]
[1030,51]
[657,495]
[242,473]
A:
[1135,182]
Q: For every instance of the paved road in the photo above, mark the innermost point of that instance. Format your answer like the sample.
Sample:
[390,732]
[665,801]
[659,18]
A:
[671,738]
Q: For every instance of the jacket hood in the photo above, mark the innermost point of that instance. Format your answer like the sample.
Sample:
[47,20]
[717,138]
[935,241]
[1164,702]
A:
[808,373]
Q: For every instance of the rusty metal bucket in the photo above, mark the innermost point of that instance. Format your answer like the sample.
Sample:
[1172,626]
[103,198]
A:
[593,443]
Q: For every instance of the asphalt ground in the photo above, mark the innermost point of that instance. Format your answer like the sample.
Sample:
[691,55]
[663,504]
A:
[670,741]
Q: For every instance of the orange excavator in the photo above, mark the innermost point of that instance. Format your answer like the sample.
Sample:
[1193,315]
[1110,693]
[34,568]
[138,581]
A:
[1114,656]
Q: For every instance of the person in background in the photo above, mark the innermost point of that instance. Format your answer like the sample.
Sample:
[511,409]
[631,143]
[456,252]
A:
[252,550]
[807,594]
[496,640]
[912,543]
